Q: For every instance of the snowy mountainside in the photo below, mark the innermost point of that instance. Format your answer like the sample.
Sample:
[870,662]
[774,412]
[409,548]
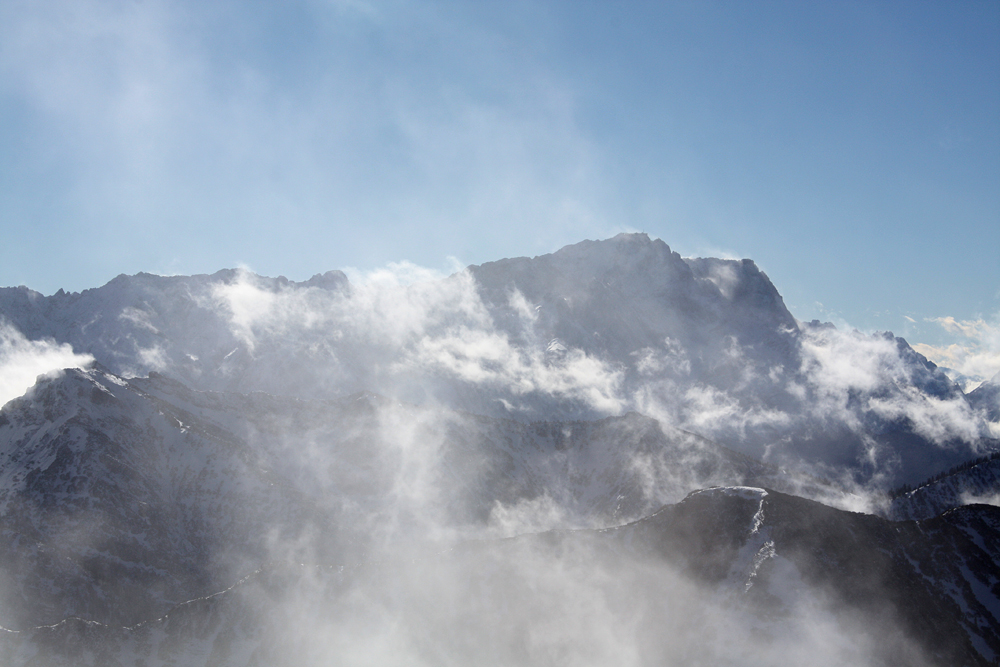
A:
[730,575]
[986,399]
[709,344]
[142,323]
[119,498]
[114,505]
[596,329]
[977,481]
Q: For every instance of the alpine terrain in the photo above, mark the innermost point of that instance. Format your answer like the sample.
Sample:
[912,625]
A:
[611,454]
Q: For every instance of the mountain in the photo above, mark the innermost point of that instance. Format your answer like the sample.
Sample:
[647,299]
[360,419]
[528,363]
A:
[709,344]
[727,576]
[986,398]
[120,498]
[137,324]
[593,330]
[115,505]
[607,454]
[613,298]
[976,481]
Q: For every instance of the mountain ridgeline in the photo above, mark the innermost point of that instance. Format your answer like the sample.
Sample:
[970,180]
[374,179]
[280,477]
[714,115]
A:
[596,329]
[608,454]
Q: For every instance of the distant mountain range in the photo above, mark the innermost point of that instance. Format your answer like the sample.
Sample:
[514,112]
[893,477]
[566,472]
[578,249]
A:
[321,451]
[593,330]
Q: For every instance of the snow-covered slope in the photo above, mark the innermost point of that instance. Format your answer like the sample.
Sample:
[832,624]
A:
[986,398]
[115,505]
[977,481]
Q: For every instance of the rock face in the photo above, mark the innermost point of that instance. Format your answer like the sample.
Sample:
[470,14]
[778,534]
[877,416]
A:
[613,298]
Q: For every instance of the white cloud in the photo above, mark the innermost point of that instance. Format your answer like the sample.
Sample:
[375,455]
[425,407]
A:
[527,516]
[848,382]
[23,360]
[977,356]
[974,499]
[725,278]
[672,360]
[849,374]
[407,326]
[707,408]
[939,420]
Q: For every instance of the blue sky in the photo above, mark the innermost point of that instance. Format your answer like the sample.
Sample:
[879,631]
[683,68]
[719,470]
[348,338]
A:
[852,149]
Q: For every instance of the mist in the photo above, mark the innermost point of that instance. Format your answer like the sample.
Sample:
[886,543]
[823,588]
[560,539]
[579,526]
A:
[422,337]
[23,360]
[975,358]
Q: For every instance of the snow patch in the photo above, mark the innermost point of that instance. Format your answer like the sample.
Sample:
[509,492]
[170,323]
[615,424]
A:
[745,492]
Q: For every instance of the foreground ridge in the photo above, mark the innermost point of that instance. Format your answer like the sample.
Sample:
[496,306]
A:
[742,546]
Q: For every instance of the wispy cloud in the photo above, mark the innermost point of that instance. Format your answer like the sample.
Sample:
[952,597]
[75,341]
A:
[426,130]
[846,382]
[407,331]
[417,335]
[23,360]
[976,356]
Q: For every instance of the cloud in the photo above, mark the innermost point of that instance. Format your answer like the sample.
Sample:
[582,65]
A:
[724,276]
[527,515]
[976,357]
[720,253]
[560,599]
[182,116]
[707,408]
[410,332]
[988,499]
[820,412]
[23,360]
[849,376]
